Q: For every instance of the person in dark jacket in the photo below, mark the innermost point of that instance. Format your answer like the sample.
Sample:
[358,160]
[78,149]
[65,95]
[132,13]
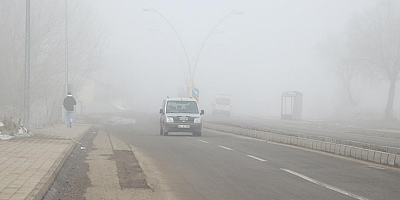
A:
[69,103]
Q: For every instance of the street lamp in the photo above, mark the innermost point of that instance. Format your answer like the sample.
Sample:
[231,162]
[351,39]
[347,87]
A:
[196,57]
[180,40]
[209,34]
[176,50]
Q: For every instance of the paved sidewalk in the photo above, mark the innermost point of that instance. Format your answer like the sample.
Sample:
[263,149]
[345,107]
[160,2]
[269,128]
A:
[28,166]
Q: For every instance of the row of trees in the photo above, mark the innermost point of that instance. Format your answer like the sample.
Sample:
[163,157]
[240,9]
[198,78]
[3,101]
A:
[87,40]
[368,50]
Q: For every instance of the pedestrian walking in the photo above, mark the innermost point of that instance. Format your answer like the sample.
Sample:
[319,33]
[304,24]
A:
[69,103]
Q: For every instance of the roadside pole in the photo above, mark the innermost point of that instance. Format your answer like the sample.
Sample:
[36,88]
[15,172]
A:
[27,65]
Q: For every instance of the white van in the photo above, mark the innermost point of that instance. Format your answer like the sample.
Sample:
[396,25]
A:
[180,115]
[222,105]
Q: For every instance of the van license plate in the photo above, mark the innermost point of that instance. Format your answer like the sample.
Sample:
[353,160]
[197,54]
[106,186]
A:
[183,126]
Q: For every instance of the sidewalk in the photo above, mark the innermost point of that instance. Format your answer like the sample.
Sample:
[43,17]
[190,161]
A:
[28,166]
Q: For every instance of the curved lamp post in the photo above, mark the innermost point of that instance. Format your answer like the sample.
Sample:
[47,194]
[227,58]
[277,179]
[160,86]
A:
[180,40]
[176,50]
[196,57]
[208,36]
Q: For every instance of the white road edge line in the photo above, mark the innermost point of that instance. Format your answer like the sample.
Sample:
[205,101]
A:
[203,141]
[325,185]
[259,159]
[227,148]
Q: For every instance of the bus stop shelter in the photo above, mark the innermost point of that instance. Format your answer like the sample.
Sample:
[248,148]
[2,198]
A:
[291,106]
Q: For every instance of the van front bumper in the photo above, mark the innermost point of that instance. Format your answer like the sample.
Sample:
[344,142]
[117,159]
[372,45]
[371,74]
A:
[183,127]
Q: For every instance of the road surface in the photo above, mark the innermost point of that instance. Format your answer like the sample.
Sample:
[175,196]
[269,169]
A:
[305,128]
[225,166]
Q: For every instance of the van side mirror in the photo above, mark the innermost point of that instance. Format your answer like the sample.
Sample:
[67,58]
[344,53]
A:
[202,112]
[161,111]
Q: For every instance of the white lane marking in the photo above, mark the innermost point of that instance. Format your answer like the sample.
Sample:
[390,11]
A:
[325,185]
[259,159]
[203,141]
[227,148]
[188,137]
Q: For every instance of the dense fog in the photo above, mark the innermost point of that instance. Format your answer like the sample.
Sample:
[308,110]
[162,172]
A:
[253,50]
[271,48]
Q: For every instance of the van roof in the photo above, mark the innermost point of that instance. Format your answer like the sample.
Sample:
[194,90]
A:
[180,99]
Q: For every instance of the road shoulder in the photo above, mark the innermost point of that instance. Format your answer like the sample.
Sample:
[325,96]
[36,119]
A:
[116,174]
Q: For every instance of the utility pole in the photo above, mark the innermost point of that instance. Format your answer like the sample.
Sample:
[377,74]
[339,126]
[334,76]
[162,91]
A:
[66,47]
[27,64]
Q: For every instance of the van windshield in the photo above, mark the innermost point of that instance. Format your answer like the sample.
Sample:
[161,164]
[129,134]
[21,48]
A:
[223,101]
[182,107]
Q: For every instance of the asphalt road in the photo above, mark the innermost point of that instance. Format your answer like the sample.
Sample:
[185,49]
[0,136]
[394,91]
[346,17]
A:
[306,128]
[225,166]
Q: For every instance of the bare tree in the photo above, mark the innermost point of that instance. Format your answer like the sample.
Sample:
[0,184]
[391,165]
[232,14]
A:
[375,39]
[12,31]
[88,38]
[337,54]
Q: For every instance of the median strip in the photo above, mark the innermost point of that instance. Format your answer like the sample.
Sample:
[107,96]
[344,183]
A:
[365,154]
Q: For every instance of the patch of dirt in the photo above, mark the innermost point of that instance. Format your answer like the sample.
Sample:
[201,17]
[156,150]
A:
[130,173]
[72,180]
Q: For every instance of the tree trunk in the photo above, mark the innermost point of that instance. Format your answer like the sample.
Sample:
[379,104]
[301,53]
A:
[389,105]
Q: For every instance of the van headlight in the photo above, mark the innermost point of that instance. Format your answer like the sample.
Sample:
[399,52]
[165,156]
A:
[170,119]
[197,120]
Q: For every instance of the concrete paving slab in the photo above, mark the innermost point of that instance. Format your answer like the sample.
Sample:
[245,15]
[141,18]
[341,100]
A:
[314,144]
[323,146]
[342,150]
[391,159]
[33,163]
[295,141]
[364,154]
[319,145]
[337,149]
[377,157]
[353,152]
[371,155]
[384,158]
[331,147]
[276,138]
[347,151]
[304,142]
[397,161]
[285,139]
[310,143]
[358,152]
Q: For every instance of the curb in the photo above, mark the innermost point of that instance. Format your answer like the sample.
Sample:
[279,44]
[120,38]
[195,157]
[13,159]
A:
[370,155]
[238,129]
[45,183]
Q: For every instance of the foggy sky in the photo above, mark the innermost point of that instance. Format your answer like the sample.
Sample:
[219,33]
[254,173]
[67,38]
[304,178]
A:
[256,56]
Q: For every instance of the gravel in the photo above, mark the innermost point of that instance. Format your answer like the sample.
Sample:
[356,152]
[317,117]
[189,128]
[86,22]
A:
[72,181]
